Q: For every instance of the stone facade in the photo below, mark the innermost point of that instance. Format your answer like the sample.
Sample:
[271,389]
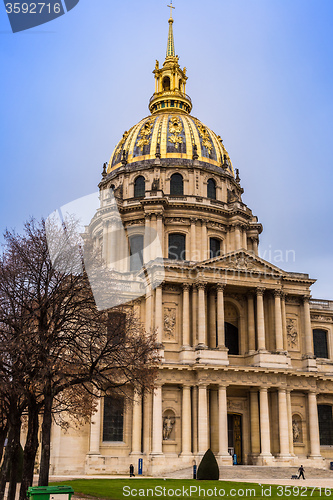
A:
[238,371]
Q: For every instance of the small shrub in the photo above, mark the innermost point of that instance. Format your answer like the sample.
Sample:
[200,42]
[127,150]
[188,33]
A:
[208,467]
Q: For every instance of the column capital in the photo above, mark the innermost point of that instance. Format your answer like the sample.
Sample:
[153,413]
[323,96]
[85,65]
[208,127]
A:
[193,220]
[220,287]
[260,290]
[263,388]
[147,216]
[186,287]
[278,293]
[202,384]
[187,385]
[306,299]
[282,389]
[223,386]
[250,294]
[201,285]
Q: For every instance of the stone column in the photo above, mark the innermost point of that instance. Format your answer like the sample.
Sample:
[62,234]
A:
[201,315]
[113,243]
[146,250]
[186,420]
[278,321]
[160,232]
[159,313]
[223,422]
[136,423]
[149,299]
[186,315]
[244,239]
[147,422]
[204,241]
[195,418]
[106,242]
[261,320]
[313,426]
[265,436]
[307,327]
[284,321]
[290,424]
[95,430]
[202,419]
[194,256]
[283,423]
[237,238]
[220,317]
[194,315]
[212,320]
[157,421]
[255,246]
[251,324]
[254,412]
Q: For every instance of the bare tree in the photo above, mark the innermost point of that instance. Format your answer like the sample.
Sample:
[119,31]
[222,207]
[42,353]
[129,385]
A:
[53,338]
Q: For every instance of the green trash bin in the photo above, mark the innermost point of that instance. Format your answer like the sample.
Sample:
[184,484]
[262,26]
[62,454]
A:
[50,492]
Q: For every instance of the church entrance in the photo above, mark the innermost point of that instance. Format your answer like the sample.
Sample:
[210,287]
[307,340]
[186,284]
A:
[235,435]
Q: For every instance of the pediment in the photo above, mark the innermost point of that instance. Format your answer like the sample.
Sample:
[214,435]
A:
[242,260]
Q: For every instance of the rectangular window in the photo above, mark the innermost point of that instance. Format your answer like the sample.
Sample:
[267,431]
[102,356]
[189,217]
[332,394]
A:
[176,247]
[325,424]
[113,419]
[214,248]
[320,343]
[116,326]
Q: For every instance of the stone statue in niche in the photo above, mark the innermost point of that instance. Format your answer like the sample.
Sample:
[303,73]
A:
[168,424]
[155,185]
[296,431]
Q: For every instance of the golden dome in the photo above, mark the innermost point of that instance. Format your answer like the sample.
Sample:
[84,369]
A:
[170,135]
[170,132]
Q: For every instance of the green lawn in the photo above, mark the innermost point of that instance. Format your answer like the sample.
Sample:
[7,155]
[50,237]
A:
[116,489]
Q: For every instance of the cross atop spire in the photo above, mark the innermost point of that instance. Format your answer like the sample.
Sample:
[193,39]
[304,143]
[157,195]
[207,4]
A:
[171,44]
[171,7]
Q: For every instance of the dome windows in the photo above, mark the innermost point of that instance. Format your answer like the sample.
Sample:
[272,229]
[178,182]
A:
[176,249]
[176,185]
[136,252]
[139,187]
[214,248]
[211,189]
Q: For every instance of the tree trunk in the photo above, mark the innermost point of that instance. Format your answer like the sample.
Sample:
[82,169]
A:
[15,458]
[5,464]
[3,435]
[30,449]
[46,440]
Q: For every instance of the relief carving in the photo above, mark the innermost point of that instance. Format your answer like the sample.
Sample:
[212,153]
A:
[175,129]
[170,323]
[144,136]
[292,335]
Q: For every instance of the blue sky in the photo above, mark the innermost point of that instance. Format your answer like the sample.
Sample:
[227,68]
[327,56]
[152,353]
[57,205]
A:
[260,75]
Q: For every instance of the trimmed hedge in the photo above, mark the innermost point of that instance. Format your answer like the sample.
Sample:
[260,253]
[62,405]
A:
[208,467]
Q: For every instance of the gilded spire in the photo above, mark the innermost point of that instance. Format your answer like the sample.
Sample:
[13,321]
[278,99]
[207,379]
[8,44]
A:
[170,81]
[171,44]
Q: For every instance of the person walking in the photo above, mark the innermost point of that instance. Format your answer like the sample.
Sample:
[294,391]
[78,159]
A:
[132,470]
[301,472]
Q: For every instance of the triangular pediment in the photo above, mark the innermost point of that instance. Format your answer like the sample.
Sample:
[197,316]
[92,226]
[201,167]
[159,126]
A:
[242,260]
